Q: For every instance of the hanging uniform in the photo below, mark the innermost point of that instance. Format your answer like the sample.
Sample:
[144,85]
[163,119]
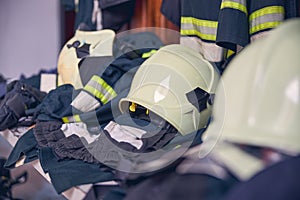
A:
[171,9]
[83,18]
[94,15]
[116,13]
[199,23]
[223,27]
[243,21]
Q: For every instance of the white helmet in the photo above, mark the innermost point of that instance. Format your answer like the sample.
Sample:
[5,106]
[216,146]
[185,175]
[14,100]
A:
[82,44]
[258,99]
[170,84]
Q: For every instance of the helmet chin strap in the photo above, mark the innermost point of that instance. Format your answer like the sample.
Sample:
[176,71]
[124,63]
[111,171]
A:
[140,112]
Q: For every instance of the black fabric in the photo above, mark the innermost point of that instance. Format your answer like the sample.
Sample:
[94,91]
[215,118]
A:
[81,51]
[109,3]
[136,42]
[199,98]
[83,19]
[2,86]
[7,117]
[200,9]
[26,145]
[165,160]
[7,182]
[101,150]
[115,14]
[91,65]
[280,181]
[102,192]
[171,9]
[65,174]
[56,105]
[4,180]
[178,187]
[104,151]
[292,8]
[119,67]
[115,194]
[17,100]
[73,147]
[108,151]
[68,4]
[156,141]
[233,26]
[233,29]
[2,90]
[2,79]
[48,133]
[158,134]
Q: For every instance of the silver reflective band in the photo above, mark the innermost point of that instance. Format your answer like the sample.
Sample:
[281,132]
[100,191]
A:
[85,102]
[266,18]
[100,89]
[122,133]
[204,29]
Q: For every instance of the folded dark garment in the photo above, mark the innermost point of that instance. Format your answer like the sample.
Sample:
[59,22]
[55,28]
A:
[19,98]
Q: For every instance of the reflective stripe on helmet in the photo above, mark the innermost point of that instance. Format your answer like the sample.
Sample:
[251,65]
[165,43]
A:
[100,89]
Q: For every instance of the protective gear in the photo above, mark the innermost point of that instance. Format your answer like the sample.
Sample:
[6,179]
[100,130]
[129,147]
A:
[258,101]
[175,83]
[83,44]
[19,98]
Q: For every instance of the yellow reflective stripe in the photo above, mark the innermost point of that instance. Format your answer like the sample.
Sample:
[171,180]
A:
[74,118]
[96,93]
[234,5]
[199,22]
[109,91]
[229,53]
[148,54]
[204,29]
[199,34]
[107,87]
[65,119]
[263,26]
[266,11]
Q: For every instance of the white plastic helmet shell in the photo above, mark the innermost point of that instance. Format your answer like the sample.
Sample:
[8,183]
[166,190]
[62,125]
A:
[163,80]
[258,98]
[100,44]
